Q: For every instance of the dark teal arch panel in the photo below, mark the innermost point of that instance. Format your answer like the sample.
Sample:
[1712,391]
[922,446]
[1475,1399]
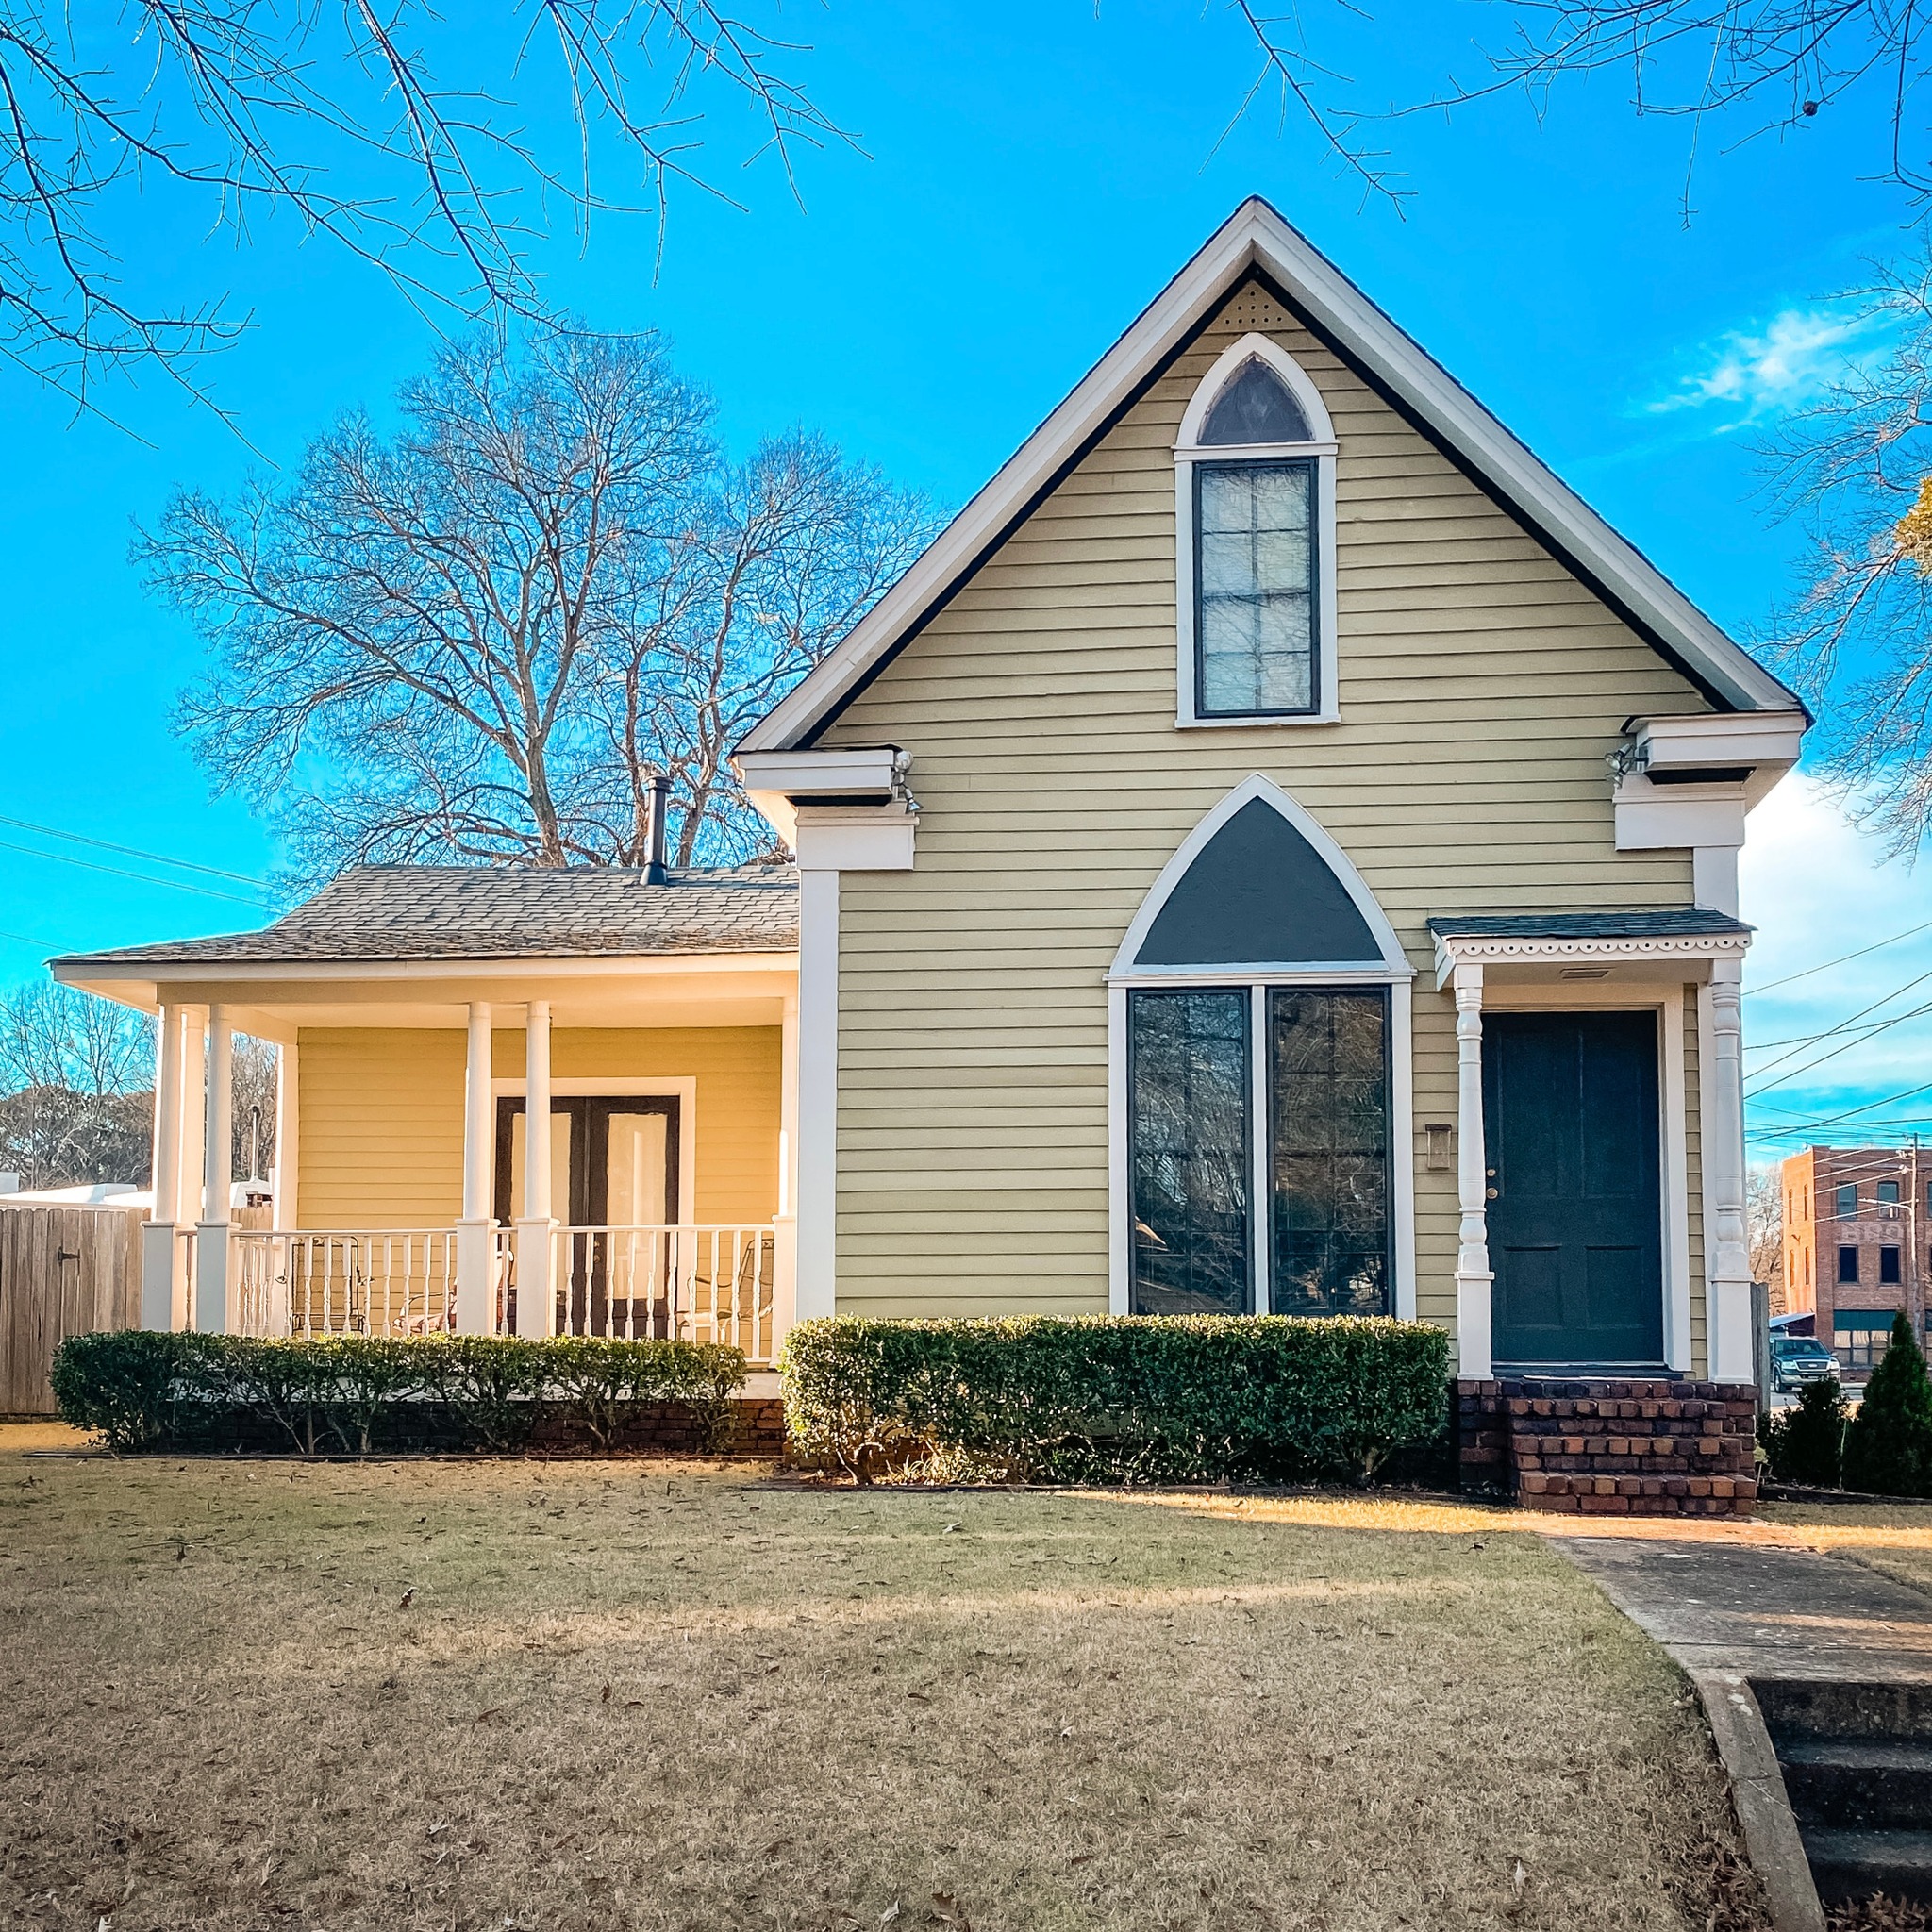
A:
[1258,893]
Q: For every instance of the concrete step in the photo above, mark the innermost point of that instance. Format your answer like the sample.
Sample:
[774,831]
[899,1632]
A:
[1797,1709]
[1867,1784]
[1855,1864]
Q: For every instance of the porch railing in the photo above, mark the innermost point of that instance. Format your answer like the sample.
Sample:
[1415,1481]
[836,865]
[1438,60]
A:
[686,1282]
[389,1281]
[668,1281]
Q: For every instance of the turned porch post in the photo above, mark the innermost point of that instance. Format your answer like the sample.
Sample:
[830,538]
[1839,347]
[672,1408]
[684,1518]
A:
[476,1299]
[537,1230]
[1728,1306]
[1474,1278]
[213,1245]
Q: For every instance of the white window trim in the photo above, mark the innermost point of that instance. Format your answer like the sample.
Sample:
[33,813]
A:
[1188,454]
[1667,1002]
[1392,971]
[682,1088]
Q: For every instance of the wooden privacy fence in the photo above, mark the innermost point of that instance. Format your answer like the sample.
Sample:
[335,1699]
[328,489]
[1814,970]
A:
[63,1270]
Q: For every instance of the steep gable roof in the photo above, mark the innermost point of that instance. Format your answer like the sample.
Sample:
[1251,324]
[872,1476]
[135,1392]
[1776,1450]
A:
[1256,242]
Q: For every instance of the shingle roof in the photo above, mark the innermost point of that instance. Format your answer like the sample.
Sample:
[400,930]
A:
[473,912]
[1691,922]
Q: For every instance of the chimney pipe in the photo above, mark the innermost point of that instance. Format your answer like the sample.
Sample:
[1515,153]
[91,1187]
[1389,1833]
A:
[654,874]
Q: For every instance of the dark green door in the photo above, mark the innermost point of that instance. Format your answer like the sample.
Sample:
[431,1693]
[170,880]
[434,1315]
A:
[1570,1116]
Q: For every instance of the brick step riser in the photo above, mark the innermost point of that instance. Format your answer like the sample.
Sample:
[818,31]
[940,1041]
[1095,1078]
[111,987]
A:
[1611,1446]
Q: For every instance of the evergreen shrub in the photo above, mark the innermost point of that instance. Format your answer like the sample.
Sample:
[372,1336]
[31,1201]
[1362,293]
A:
[1806,1444]
[1888,1445]
[1119,1399]
[365,1395]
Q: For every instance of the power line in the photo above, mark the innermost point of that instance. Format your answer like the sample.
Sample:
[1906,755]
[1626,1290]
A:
[1812,1038]
[1830,1031]
[26,938]
[1876,945]
[122,872]
[215,872]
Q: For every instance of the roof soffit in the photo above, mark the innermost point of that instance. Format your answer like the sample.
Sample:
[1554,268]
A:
[1256,243]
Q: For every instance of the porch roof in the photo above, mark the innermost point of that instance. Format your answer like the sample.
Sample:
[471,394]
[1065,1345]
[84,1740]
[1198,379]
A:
[1692,922]
[409,913]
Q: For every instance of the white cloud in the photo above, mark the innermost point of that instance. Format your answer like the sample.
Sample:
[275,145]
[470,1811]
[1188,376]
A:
[1817,889]
[1799,352]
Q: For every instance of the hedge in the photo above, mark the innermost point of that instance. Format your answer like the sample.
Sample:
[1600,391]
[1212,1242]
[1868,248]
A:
[142,1390]
[1806,1444]
[1121,1399]
[1888,1445]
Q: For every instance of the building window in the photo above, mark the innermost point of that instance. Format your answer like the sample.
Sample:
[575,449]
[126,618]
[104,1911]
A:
[1321,1150]
[1887,1193]
[1254,589]
[1848,1264]
[1848,1203]
[1254,475]
[1861,1338]
[1888,1265]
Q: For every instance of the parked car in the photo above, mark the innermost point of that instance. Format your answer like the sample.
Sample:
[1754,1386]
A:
[1796,1360]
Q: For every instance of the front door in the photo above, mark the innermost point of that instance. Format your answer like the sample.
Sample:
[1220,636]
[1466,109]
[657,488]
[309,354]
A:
[1571,1126]
[613,1184]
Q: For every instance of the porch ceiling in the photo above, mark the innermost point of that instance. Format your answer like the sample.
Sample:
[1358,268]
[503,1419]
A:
[274,1003]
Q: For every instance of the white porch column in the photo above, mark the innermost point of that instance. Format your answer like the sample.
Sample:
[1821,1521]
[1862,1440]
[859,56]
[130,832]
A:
[284,1179]
[213,1245]
[537,1230]
[784,1223]
[1727,1259]
[816,1160]
[1474,1278]
[475,1305]
[184,1209]
[157,1237]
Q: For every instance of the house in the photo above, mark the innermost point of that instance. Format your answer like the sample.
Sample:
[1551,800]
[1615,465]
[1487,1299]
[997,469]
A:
[1275,850]
[1856,1245]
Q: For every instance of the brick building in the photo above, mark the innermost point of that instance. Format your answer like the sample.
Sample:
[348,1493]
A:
[1857,1222]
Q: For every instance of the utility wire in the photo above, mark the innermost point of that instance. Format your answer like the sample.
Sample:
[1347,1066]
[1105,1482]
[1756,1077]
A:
[1812,1038]
[1830,1032]
[213,871]
[1752,992]
[122,872]
[26,938]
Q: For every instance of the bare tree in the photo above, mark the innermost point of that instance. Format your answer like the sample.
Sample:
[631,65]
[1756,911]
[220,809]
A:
[477,641]
[1855,466]
[384,128]
[1764,1218]
[1755,67]
[76,1081]
[253,1083]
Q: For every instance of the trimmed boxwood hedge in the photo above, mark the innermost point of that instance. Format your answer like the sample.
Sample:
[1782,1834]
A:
[1119,1399]
[141,1391]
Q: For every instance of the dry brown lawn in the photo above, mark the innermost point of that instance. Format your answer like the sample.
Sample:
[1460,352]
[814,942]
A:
[491,1695]
[1893,1538]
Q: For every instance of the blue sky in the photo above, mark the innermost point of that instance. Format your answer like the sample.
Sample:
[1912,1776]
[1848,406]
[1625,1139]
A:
[1031,173]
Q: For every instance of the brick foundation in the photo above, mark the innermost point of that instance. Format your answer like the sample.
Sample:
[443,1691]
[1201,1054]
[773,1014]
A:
[1611,1447]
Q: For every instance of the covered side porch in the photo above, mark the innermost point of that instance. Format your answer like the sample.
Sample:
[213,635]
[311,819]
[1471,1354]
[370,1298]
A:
[407,1195]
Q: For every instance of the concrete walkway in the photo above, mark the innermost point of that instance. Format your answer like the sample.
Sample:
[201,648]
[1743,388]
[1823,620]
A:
[1763,1609]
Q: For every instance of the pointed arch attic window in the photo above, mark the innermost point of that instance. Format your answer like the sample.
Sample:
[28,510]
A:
[1255,474]
[1264,1015]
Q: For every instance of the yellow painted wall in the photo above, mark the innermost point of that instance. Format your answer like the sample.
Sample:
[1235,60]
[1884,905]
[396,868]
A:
[1481,685]
[382,1115]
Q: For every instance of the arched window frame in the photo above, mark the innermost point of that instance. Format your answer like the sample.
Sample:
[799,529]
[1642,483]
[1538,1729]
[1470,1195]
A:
[1393,970]
[1189,452]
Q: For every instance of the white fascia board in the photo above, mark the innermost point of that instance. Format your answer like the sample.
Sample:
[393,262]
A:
[1672,818]
[1256,237]
[778,782]
[1768,741]
[1500,949]
[855,839]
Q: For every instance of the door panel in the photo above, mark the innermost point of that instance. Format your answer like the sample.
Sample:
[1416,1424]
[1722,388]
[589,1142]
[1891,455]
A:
[1571,1121]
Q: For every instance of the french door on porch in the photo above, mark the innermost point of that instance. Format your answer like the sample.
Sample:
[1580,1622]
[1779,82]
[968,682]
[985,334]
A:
[1572,1139]
[614,1189]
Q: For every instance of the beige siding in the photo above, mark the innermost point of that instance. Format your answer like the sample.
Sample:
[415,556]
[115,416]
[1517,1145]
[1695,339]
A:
[1481,686]
[382,1115]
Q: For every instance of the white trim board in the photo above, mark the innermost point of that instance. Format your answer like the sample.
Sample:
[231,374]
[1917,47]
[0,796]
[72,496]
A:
[1256,238]
[1189,454]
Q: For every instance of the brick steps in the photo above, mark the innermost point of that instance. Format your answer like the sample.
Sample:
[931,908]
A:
[1609,1446]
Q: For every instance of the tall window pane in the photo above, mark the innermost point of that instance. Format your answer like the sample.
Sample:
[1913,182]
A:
[1255,577]
[1188,1059]
[1329,1152]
